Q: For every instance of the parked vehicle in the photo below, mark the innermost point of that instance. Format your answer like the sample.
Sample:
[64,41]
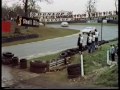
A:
[88,29]
[41,24]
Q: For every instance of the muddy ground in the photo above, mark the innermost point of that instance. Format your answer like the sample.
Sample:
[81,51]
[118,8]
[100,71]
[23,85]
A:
[15,78]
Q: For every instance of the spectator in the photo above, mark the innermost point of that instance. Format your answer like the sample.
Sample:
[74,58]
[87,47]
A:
[80,43]
[11,19]
[89,43]
[17,19]
[93,42]
[90,33]
[112,52]
[116,50]
[96,38]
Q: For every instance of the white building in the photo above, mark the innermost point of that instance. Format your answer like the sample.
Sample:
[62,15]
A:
[55,16]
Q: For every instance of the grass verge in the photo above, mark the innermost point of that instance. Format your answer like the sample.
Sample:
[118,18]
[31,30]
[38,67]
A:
[109,77]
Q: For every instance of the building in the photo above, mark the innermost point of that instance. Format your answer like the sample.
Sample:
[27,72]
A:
[56,16]
[62,16]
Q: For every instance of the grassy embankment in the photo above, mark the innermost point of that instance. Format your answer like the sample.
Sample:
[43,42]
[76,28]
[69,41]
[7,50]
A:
[43,32]
[96,68]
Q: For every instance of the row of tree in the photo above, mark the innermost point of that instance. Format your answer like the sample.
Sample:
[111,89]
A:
[27,7]
[91,9]
[8,12]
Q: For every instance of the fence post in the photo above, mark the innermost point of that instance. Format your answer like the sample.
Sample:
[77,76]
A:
[108,60]
[107,56]
[82,68]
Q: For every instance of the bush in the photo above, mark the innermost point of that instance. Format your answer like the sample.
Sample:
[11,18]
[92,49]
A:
[18,38]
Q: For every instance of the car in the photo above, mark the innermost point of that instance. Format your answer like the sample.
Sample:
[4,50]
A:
[41,24]
[88,29]
[64,24]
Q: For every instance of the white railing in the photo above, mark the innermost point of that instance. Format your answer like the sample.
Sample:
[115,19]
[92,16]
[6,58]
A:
[58,63]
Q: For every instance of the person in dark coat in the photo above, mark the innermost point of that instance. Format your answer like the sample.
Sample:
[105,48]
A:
[93,42]
[80,43]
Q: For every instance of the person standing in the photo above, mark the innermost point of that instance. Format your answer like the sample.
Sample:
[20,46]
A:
[116,49]
[93,42]
[112,52]
[80,43]
[96,38]
[89,33]
[89,43]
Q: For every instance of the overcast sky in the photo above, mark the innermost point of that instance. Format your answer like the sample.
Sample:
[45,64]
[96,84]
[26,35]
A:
[77,6]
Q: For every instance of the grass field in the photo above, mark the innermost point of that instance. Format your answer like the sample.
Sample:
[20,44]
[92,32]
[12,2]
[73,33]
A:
[43,32]
[95,66]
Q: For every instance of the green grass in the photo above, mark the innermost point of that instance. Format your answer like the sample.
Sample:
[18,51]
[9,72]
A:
[43,32]
[47,58]
[109,77]
[96,60]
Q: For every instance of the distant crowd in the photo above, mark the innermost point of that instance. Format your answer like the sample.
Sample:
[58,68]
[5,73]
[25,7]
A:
[92,41]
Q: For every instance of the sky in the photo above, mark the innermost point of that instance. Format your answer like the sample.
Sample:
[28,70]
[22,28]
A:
[77,6]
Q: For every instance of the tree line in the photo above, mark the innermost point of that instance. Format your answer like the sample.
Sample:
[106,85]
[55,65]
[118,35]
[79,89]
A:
[18,10]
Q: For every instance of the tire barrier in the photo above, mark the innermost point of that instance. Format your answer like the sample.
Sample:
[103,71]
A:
[8,55]
[74,71]
[7,58]
[23,63]
[17,38]
[6,61]
[38,67]
[102,42]
[63,55]
[69,52]
[73,51]
[15,61]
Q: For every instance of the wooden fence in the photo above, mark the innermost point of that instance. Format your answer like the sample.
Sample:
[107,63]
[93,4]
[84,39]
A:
[57,63]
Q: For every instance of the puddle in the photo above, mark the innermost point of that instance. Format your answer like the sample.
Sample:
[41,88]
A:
[11,75]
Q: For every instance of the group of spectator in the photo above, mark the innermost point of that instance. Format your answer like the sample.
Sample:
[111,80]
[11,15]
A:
[92,44]
[92,41]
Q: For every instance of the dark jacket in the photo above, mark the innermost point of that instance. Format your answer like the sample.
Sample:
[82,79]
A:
[78,42]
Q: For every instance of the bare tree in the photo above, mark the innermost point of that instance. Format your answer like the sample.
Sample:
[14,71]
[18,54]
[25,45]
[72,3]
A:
[31,4]
[91,9]
[116,5]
